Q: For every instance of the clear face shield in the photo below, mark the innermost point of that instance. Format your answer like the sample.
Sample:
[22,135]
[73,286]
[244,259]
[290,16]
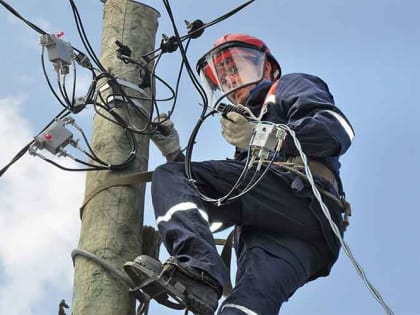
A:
[231,71]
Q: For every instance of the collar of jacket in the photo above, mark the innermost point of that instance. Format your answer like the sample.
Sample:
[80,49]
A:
[257,95]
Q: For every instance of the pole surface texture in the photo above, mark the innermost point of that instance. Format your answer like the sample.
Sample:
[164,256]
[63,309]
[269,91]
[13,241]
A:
[112,221]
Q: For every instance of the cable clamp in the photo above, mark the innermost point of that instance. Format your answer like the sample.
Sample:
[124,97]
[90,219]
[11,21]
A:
[126,84]
[112,98]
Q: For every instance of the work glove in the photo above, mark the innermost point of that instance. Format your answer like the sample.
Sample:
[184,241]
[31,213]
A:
[166,138]
[237,130]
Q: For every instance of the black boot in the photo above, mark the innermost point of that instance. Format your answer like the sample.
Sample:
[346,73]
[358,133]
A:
[191,286]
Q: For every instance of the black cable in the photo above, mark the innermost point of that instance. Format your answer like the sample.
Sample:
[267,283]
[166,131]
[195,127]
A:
[93,157]
[151,75]
[219,19]
[84,37]
[92,154]
[188,67]
[16,158]
[153,89]
[188,167]
[200,90]
[130,137]
[118,119]
[73,169]
[174,93]
[193,33]
[178,80]
[49,82]
[15,13]
[62,89]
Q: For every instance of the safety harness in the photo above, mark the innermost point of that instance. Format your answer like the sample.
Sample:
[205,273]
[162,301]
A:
[296,166]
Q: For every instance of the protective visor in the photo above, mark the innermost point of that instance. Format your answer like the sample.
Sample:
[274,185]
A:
[226,69]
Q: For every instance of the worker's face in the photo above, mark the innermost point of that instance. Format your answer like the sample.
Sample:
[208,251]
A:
[234,72]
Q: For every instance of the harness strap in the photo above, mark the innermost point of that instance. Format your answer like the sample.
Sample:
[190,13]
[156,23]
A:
[341,202]
[128,180]
[317,168]
[226,256]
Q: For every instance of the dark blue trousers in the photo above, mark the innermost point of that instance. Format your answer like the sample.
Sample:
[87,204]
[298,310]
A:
[279,242]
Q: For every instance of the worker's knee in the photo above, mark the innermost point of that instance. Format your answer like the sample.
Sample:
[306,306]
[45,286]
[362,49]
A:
[168,169]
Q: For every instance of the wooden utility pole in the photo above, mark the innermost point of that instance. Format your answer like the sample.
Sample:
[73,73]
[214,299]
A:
[112,220]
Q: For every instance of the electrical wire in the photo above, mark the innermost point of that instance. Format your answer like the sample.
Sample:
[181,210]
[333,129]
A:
[188,67]
[16,158]
[44,71]
[192,33]
[203,95]
[68,101]
[27,22]
[63,90]
[84,37]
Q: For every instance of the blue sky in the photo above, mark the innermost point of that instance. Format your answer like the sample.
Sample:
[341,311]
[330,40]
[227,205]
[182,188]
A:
[368,53]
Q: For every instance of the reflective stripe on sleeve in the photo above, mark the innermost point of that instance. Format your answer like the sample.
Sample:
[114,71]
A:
[346,126]
[184,206]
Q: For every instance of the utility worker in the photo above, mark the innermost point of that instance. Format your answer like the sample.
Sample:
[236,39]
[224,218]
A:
[282,238]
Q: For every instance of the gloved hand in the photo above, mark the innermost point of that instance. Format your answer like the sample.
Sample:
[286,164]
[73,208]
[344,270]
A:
[167,144]
[237,130]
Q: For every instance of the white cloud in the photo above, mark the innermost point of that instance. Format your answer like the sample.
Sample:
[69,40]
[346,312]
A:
[39,219]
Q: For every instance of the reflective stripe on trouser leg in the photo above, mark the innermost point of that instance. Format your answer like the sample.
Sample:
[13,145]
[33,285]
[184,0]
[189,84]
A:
[183,206]
[183,222]
[184,230]
[241,308]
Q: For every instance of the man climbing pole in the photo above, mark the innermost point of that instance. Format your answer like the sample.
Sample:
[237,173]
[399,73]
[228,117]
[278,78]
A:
[282,238]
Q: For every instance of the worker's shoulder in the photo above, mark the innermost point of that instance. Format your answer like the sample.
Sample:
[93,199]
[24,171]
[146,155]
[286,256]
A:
[299,76]
[302,81]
